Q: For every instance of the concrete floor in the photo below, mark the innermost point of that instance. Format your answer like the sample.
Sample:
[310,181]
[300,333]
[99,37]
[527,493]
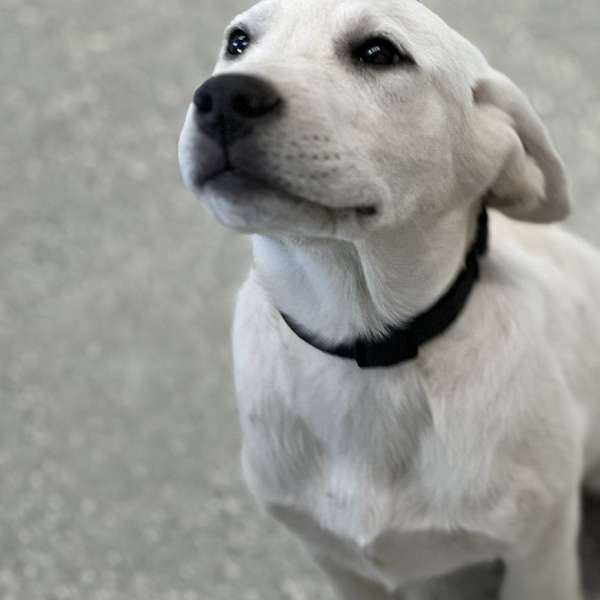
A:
[119,442]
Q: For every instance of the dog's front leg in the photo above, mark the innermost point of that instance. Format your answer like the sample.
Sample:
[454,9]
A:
[547,569]
[350,586]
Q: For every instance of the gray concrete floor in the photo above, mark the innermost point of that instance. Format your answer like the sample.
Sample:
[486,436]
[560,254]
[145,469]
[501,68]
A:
[119,442]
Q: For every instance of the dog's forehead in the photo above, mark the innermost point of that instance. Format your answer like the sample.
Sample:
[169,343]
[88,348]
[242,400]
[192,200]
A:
[311,16]
[313,23]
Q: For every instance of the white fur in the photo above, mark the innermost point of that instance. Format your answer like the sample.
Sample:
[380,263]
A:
[477,449]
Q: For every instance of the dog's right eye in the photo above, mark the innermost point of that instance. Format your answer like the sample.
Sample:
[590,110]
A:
[380,52]
[238,43]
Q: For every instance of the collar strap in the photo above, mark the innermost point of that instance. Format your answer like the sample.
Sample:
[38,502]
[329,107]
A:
[402,343]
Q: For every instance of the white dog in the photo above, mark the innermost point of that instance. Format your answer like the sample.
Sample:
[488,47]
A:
[404,411]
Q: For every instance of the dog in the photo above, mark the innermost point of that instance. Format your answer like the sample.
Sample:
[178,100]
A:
[419,386]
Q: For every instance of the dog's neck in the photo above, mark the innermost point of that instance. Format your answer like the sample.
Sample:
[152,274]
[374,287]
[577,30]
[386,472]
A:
[339,291]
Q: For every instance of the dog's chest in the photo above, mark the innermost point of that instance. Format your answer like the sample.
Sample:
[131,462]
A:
[338,459]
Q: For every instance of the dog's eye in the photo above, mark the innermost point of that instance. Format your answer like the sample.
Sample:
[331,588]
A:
[238,42]
[379,52]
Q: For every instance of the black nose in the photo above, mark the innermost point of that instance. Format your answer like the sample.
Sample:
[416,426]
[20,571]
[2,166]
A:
[228,106]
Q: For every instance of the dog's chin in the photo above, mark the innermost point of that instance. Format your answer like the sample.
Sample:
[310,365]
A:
[249,205]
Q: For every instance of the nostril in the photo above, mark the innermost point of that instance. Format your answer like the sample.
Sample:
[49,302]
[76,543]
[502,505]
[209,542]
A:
[252,106]
[247,105]
[203,102]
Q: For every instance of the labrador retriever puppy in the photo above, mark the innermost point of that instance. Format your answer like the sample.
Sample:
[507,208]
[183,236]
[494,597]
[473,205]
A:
[414,398]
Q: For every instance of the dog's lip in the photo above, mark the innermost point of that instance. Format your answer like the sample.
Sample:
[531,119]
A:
[363,210]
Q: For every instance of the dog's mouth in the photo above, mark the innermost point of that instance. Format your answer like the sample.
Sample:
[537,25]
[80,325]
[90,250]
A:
[235,180]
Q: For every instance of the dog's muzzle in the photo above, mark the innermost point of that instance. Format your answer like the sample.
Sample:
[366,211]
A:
[228,107]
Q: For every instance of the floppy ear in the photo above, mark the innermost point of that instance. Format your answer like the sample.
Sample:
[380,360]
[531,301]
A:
[532,184]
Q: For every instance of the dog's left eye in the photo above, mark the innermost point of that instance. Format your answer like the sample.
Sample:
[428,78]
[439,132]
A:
[238,42]
[379,52]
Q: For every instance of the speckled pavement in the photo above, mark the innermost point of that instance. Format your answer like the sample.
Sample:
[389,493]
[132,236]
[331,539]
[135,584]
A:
[119,443]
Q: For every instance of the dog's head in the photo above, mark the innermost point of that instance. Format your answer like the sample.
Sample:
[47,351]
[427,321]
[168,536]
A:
[332,118]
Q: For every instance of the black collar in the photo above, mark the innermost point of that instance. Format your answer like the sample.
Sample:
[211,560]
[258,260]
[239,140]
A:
[402,343]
